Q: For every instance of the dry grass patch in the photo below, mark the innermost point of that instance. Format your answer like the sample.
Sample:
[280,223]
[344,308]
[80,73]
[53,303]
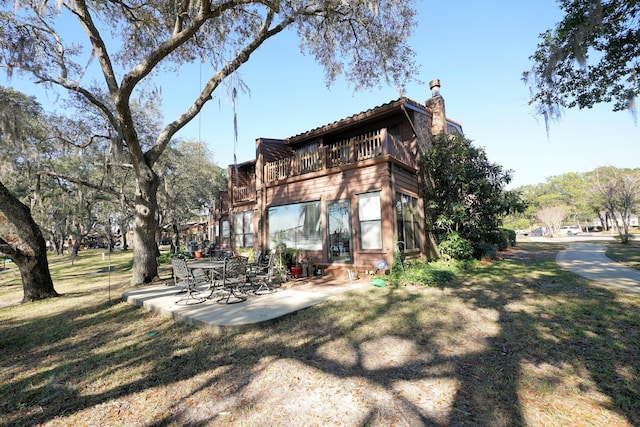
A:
[515,342]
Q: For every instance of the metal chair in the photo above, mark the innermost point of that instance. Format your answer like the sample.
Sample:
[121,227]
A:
[261,276]
[182,276]
[234,276]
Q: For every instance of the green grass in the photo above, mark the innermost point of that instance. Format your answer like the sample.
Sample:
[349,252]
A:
[512,342]
[627,254]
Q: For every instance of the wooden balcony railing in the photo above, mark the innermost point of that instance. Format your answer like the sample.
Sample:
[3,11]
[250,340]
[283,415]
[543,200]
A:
[244,193]
[365,146]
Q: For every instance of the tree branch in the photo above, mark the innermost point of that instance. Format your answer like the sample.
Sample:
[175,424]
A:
[214,82]
[119,195]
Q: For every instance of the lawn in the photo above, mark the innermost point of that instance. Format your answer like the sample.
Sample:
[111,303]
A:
[628,254]
[507,343]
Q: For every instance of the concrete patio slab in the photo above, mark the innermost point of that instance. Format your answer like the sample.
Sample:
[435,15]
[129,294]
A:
[220,317]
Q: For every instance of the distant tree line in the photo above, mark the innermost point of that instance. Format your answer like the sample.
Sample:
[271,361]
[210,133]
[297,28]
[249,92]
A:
[607,195]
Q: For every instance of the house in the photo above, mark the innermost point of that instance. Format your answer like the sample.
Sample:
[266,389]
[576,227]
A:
[344,194]
[609,222]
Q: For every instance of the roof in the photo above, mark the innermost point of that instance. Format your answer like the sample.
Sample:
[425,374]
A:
[364,115]
[274,149]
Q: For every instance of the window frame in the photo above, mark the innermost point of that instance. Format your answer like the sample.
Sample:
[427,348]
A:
[370,220]
[243,235]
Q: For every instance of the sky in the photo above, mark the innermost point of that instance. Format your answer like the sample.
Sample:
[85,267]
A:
[478,50]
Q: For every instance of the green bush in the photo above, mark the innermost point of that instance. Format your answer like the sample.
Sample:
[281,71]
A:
[511,234]
[166,256]
[434,274]
[484,250]
[454,246]
[499,238]
[624,238]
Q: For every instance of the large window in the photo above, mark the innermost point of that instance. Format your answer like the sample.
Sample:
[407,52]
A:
[407,220]
[297,226]
[370,217]
[243,229]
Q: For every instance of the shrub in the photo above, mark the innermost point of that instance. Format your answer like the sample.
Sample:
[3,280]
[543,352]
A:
[499,238]
[624,238]
[511,234]
[454,246]
[484,250]
[434,274]
[165,258]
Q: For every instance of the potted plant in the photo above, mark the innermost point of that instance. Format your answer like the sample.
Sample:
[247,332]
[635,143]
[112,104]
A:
[293,261]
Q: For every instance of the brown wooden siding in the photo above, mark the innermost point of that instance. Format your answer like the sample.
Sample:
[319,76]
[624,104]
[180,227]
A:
[342,184]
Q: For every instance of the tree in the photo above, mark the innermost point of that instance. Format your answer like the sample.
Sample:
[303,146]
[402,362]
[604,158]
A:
[619,193]
[135,40]
[552,217]
[573,189]
[590,57]
[464,192]
[19,123]
[30,252]
[190,182]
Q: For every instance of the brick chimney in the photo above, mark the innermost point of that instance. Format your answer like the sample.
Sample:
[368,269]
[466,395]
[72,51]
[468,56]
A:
[435,104]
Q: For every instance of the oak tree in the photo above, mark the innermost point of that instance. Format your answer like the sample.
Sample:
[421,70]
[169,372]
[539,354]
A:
[134,40]
[592,56]
[20,132]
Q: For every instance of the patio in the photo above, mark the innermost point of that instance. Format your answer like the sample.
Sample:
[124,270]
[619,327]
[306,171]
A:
[219,318]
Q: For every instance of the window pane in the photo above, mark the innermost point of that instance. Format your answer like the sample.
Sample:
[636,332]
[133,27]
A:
[409,234]
[407,221]
[237,223]
[225,229]
[339,230]
[371,235]
[248,222]
[297,226]
[369,213]
[369,206]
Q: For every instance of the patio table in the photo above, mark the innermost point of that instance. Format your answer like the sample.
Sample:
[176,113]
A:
[214,267]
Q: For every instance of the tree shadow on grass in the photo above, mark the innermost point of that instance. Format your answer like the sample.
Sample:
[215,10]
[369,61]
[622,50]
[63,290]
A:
[469,345]
[563,321]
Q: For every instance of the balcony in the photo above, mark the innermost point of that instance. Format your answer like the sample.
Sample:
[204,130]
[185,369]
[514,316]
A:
[317,156]
[244,193]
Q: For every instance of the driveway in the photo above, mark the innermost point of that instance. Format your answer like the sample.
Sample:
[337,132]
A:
[589,260]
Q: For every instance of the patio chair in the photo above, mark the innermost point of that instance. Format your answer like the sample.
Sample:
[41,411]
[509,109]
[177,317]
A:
[189,280]
[234,277]
[257,263]
[261,276]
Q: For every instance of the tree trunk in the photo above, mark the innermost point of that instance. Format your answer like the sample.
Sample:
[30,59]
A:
[76,246]
[175,237]
[145,263]
[30,252]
